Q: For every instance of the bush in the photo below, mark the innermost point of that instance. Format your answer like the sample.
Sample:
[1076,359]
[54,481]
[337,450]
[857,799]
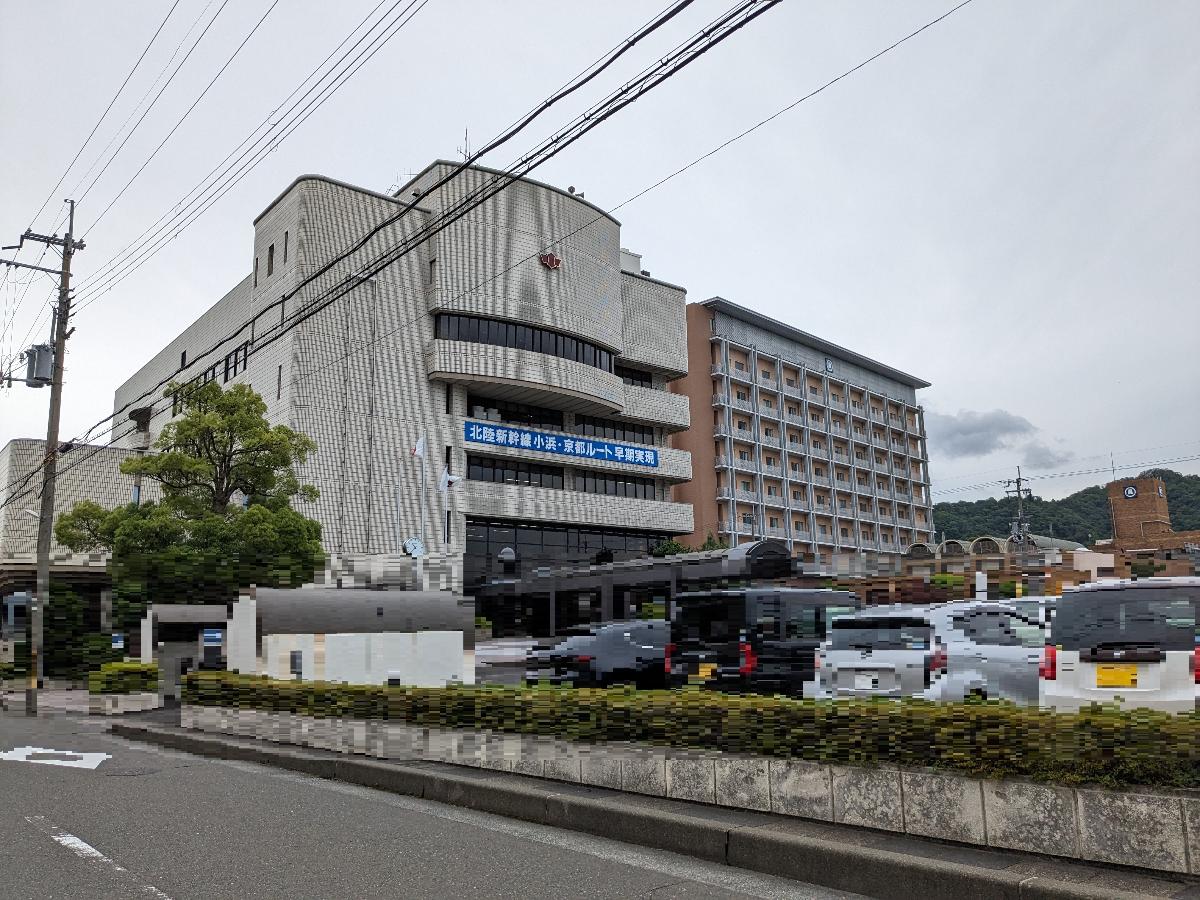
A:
[123,678]
[1102,745]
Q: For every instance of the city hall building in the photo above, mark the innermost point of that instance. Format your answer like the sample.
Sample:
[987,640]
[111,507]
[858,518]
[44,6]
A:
[520,341]
[796,439]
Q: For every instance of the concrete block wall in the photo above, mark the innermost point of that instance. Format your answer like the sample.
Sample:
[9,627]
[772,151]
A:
[1143,828]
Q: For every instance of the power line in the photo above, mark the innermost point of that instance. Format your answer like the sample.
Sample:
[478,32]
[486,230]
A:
[186,113]
[1078,472]
[466,203]
[705,40]
[146,112]
[104,114]
[76,190]
[155,238]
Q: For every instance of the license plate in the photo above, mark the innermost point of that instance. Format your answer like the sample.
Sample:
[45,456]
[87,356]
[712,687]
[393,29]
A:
[706,670]
[865,681]
[1116,675]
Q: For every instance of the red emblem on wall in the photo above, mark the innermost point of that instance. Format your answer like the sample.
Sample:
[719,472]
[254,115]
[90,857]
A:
[550,261]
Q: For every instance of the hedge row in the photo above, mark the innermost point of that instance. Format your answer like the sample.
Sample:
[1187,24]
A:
[1102,745]
[123,678]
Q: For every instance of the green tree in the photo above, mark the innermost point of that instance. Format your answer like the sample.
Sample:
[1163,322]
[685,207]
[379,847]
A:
[221,446]
[711,543]
[196,545]
[670,548]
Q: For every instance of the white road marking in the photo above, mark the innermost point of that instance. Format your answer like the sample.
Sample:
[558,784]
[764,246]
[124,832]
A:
[46,757]
[84,850]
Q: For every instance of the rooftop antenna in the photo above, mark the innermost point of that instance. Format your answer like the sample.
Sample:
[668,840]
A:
[465,149]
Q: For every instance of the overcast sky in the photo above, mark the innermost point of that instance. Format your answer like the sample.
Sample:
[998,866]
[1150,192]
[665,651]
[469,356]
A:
[1006,205]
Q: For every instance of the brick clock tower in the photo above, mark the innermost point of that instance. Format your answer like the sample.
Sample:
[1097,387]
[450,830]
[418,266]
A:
[1139,510]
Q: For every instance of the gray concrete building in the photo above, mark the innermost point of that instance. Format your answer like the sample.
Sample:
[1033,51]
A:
[540,377]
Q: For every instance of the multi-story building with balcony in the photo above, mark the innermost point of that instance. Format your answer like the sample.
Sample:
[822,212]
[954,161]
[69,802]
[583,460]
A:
[810,443]
[539,376]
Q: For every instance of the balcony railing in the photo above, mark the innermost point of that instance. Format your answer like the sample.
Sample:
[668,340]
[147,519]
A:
[903,496]
[747,496]
[768,441]
[725,493]
[805,536]
[727,400]
[801,505]
[771,412]
[778,533]
[822,479]
[793,390]
[775,500]
[769,383]
[841,458]
[735,527]
[773,471]
[794,420]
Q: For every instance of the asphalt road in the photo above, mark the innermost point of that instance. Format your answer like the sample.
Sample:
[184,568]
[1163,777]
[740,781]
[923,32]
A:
[155,823]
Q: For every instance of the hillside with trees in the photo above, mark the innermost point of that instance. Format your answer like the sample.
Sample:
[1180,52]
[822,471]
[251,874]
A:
[1082,516]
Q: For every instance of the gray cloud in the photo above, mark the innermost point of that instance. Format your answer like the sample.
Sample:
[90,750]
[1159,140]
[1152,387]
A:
[970,433]
[1039,456]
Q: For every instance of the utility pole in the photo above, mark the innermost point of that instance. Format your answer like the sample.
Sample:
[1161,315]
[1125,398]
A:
[62,314]
[1020,527]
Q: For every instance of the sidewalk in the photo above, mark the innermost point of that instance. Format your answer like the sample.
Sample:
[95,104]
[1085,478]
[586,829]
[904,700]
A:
[874,863]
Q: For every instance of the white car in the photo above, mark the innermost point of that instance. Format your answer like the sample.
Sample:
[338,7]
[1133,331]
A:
[1133,643]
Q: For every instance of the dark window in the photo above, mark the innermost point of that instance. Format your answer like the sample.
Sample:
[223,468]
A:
[279,383]
[615,484]
[635,377]
[591,426]
[490,410]
[270,260]
[285,243]
[1164,618]
[256,271]
[514,471]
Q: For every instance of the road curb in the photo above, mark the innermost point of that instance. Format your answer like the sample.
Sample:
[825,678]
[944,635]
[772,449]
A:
[755,841]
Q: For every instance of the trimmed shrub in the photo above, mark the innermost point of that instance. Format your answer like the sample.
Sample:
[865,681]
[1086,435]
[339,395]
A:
[1101,745]
[123,678]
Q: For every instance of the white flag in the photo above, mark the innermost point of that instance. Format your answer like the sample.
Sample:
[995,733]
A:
[419,451]
[447,480]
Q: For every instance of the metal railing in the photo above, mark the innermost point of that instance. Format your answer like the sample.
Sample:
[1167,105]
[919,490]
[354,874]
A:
[822,479]
[735,528]
[773,471]
[774,532]
[768,441]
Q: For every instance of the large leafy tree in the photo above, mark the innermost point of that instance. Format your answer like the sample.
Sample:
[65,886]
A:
[223,446]
[197,544]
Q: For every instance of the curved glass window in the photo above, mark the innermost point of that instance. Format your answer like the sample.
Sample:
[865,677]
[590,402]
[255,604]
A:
[451,327]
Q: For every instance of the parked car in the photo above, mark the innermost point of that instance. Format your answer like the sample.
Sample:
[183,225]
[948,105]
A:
[1130,642]
[599,655]
[950,651]
[761,640]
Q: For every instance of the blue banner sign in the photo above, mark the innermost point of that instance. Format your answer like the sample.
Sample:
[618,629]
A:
[118,641]
[582,448]
[212,637]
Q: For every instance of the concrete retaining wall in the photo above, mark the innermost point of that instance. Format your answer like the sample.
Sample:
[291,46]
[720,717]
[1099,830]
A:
[116,704]
[1153,829]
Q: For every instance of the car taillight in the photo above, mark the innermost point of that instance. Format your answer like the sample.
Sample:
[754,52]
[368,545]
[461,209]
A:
[749,658]
[936,661]
[1196,665]
[1048,668]
[583,658]
[670,651]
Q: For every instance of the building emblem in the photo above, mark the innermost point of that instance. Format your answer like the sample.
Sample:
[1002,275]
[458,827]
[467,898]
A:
[1130,492]
[550,261]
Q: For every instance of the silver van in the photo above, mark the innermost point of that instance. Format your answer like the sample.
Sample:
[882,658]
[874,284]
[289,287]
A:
[950,651]
[1133,643]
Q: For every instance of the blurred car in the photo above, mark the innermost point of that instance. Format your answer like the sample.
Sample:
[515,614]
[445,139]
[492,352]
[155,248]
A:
[952,651]
[611,653]
[1133,643]
[758,640]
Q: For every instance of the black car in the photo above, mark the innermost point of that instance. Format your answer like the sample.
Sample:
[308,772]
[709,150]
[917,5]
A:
[760,640]
[612,653]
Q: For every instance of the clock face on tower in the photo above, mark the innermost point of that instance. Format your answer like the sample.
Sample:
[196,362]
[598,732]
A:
[1130,492]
